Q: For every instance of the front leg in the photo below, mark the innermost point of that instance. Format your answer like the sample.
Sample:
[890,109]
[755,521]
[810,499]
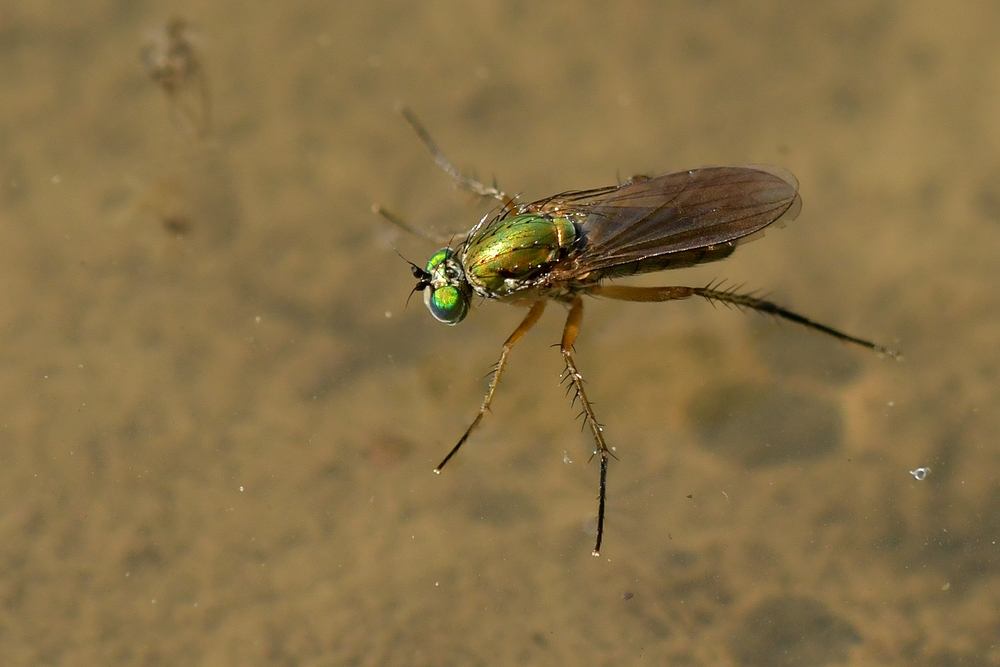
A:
[529,321]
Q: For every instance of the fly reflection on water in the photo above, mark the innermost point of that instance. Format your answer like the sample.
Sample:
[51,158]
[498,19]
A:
[173,63]
[194,196]
[563,247]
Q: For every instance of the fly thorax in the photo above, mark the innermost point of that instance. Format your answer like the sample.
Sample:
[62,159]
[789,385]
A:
[447,291]
[513,254]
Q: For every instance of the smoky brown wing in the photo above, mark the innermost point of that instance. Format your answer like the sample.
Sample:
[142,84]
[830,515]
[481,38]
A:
[652,217]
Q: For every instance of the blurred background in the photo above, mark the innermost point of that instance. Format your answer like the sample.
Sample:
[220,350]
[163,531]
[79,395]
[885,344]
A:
[219,417]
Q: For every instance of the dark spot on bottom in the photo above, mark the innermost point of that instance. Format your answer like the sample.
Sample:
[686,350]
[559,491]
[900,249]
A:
[792,632]
[179,225]
[762,424]
[500,508]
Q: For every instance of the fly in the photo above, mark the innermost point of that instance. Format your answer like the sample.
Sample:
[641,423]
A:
[566,246]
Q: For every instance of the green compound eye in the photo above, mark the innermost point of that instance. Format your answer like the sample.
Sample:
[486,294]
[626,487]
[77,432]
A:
[447,304]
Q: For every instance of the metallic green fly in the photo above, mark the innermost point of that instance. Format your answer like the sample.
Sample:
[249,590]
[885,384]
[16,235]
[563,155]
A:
[565,246]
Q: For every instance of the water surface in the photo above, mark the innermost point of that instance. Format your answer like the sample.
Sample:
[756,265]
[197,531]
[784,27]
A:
[219,418]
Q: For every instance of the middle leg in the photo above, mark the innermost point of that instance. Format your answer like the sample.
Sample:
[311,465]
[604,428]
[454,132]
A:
[570,332]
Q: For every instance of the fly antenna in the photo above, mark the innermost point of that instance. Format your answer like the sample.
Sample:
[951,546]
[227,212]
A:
[423,278]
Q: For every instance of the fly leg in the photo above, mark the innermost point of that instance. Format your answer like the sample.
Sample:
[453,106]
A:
[628,293]
[464,182]
[570,332]
[526,324]
[441,239]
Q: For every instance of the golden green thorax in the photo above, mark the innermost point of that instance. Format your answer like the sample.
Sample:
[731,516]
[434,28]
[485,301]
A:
[511,254]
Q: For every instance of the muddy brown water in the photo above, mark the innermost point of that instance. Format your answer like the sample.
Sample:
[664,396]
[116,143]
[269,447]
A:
[218,417]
